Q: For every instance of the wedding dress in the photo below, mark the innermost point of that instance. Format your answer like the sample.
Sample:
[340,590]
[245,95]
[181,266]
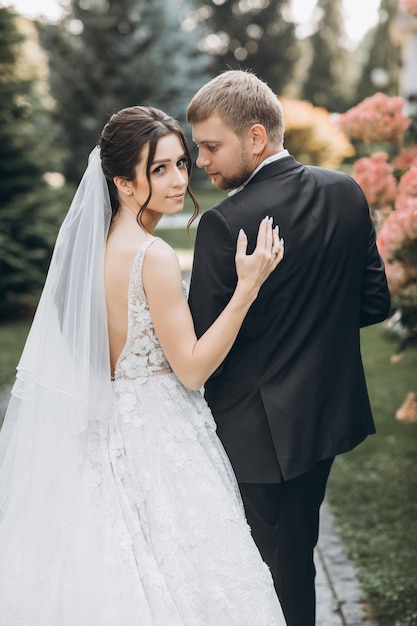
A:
[171,538]
[119,509]
[189,556]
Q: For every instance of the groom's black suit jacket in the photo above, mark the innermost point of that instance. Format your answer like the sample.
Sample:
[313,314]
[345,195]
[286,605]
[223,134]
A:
[292,390]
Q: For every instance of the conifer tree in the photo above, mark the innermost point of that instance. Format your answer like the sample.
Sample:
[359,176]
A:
[382,65]
[248,34]
[28,215]
[109,54]
[328,83]
[18,169]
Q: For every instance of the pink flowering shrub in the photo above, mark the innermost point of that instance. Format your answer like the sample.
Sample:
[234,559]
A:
[404,158]
[410,6]
[378,118]
[390,185]
[397,244]
[389,182]
[398,235]
[375,175]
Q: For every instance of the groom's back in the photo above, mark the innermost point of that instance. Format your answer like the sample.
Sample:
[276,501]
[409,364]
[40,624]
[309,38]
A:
[295,368]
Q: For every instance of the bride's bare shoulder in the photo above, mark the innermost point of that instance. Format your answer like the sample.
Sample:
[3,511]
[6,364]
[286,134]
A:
[161,251]
[120,254]
[161,263]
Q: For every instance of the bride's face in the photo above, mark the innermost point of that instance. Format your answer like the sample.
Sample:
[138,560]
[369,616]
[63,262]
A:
[168,175]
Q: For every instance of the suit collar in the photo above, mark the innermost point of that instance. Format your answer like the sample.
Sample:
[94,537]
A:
[276,168]
[271,159]
[282,166]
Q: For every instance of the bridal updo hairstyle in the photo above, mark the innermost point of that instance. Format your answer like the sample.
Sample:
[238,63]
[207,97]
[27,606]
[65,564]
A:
[121,143]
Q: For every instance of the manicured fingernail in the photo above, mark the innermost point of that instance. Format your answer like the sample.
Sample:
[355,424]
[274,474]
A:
[242,233]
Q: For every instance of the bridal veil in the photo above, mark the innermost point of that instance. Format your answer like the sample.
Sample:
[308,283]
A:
[62,388]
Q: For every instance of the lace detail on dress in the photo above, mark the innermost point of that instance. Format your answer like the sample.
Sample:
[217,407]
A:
[142,355]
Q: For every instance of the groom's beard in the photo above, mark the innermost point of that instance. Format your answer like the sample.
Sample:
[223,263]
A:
[242,172]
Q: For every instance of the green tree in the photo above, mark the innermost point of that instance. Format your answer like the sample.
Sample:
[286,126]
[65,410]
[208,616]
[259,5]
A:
[382,56]
[28,220]
[329,77]
[248,34]
[105,55]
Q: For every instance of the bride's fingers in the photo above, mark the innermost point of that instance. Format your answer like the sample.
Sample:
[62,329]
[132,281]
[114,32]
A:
[275,240]
[264,227]
[276,234]
[269,236]
[242,244]
[269,246]
[272,245]
[278,253]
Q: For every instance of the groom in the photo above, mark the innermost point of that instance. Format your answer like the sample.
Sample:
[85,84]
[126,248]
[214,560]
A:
[291,394]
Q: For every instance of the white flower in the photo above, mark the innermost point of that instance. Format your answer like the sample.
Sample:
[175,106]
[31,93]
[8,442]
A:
[143,345]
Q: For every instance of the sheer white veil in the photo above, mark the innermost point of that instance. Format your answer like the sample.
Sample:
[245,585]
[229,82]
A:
[63,384]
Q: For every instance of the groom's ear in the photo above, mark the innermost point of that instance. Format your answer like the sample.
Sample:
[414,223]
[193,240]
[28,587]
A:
[258,138]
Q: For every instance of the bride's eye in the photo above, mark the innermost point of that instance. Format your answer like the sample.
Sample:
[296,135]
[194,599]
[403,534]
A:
[160,169]
[183,163]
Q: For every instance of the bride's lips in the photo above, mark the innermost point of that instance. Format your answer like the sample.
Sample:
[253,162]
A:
[178,196]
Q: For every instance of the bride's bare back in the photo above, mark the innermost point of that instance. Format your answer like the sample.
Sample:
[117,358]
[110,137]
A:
[122,244]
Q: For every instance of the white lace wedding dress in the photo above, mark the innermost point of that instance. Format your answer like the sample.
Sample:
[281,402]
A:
[164,541]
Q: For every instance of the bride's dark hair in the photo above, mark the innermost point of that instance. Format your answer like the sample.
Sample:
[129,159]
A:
[122,141]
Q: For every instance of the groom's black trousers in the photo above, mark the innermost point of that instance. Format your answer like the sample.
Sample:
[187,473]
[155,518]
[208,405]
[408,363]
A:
[284,518]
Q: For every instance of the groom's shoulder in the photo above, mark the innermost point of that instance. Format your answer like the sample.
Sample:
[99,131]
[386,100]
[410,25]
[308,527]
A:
[220,207]
[219,217]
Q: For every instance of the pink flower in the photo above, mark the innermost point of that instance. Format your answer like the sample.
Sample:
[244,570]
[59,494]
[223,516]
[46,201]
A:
[374,175]
[410,6]
[393,234]
[407,187]
[405,158]
[377,118]
[399,229]
[406,202]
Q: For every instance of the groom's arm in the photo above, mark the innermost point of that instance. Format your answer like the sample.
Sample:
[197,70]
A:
[213,276]
[375,297]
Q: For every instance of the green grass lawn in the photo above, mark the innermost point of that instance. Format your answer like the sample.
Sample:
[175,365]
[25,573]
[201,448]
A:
[373,489]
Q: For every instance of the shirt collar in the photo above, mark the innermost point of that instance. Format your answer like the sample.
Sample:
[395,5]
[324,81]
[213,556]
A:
[267,161]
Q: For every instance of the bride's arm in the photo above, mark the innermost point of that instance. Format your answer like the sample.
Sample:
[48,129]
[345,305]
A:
[194,360]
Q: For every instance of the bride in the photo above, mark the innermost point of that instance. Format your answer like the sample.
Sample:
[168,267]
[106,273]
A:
[118,505]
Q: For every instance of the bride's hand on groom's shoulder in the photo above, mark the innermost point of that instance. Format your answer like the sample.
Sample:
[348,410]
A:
[253,269]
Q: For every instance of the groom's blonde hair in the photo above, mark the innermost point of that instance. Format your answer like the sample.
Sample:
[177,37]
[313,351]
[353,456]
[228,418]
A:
[240,99]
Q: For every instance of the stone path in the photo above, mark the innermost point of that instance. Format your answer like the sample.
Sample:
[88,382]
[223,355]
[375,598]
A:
[339,597]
